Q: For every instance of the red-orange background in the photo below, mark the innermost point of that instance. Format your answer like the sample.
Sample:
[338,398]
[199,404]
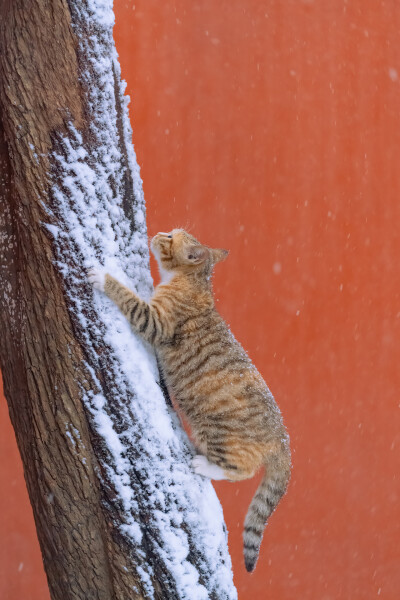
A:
[273,129]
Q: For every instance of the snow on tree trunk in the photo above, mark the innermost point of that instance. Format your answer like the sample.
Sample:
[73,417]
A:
[119,512]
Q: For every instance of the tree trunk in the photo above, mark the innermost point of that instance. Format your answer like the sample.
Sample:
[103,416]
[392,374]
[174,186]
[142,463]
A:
[118,512]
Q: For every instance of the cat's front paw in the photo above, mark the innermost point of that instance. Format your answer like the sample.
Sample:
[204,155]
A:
[97,278]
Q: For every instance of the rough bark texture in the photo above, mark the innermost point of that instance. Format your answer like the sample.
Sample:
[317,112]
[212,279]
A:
[48,366]
[81,559]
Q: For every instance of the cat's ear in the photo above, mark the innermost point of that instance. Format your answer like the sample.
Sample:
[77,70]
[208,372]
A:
[196,254]
[219,255]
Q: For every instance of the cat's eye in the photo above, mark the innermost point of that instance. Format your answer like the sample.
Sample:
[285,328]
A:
[170,235]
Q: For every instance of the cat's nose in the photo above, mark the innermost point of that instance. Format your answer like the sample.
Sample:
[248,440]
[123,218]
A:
[156,238]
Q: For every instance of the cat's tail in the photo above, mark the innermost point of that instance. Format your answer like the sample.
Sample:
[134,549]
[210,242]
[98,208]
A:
[271,489]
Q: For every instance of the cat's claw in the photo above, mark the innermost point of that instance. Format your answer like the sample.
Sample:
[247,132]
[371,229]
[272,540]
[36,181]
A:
[201,466]
[97,278]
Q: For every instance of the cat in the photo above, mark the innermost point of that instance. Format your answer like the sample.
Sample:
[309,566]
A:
[234,419]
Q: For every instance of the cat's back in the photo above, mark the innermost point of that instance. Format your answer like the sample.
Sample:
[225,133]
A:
[206,367]
[200,334]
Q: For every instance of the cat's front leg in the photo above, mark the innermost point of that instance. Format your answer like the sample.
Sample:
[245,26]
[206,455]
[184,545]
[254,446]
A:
[143,319]
[126,300]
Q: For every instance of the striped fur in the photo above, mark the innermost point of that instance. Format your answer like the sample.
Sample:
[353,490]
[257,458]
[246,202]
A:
[233,416]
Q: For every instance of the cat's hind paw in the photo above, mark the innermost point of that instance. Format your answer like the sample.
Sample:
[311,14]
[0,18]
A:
[201,466]
[97,278]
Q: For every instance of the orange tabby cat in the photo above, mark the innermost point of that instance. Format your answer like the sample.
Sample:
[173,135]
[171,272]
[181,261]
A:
[234,419]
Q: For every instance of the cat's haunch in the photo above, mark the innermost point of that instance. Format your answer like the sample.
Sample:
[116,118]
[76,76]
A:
[235,421]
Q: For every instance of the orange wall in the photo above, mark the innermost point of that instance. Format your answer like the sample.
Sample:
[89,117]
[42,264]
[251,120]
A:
[273,129]
[21,569]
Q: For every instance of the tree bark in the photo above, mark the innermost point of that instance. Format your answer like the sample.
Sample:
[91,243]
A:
[113,497]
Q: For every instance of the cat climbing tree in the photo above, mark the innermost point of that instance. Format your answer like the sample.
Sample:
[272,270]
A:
[118,511]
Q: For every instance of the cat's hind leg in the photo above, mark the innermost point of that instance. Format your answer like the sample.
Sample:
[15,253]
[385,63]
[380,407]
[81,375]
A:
[202,466]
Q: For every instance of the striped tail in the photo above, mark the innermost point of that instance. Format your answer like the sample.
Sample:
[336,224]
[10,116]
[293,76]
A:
[271,489]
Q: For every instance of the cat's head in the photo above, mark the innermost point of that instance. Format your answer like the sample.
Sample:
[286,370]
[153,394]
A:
[179,251]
